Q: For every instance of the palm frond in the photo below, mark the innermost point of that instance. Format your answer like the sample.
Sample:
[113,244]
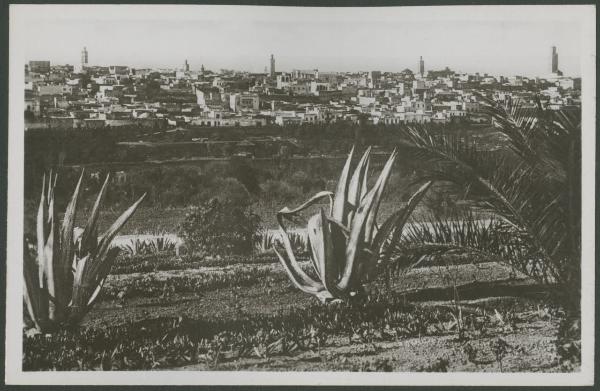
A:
[531,183]
[476,240]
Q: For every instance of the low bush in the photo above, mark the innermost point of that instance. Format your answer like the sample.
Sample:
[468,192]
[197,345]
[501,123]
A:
[221,228]
[149,285]
[156,244]
[280,190]
[167,261]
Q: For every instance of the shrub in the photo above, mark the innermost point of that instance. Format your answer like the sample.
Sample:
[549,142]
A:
[152,245]
[220,228]
[281,190]
[230,190]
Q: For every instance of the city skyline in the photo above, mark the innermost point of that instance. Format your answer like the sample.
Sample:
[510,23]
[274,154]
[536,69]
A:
[483,44]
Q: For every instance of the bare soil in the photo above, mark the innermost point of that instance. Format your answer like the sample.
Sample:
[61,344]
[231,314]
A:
[530,344]
[532,350]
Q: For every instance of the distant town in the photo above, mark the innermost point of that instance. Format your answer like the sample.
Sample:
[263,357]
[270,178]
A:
[91,96]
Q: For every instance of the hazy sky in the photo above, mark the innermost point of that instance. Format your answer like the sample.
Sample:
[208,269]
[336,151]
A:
[496,40]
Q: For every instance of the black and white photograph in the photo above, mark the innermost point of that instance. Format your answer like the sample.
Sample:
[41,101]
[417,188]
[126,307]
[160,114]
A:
[251,194]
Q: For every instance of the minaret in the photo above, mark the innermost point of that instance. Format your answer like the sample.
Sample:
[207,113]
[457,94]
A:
[272,66]
[186,66]
[84,58]
[554,60]
[421,66]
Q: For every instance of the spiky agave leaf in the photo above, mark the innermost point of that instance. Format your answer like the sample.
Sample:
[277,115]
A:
[33,292]
[89,237]
[332,243]
[63,278]
[358,183]
[340,201]
[41,236]
[86,285]
[93,267]
[358,229]
[302,280]
[391,231]
[378,189]
[49,254]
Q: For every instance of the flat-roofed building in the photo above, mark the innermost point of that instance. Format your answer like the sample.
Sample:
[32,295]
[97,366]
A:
[39,66]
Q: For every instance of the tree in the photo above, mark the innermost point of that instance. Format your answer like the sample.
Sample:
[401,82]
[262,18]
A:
[531,185]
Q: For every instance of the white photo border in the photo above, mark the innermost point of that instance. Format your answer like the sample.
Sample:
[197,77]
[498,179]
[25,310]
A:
[21,17]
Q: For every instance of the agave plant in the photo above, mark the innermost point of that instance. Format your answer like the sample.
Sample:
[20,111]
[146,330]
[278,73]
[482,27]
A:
[63,281]
[344,243]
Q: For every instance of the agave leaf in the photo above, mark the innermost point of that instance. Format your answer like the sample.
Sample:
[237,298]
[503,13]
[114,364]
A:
[80,286]
[379,187]
[49,189]
[49,258]
[110,233]
[94,295]
[106,239]
[41,238]
[287,212]
[85,298]
[303,281]
[323,248]
[317,245]
[89,237]
[297,275]
[355,192]
[341,192]
[343,229]
[106,264]
[358,183]
[39,295]
[63,265]
[393,224]
[355,240]
[334,244]
[313,260]
[32,289]
[399,218]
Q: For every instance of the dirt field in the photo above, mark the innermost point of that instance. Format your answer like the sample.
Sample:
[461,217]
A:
[527,339]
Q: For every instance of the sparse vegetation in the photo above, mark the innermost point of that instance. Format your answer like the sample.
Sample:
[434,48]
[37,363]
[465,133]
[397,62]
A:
[151,245]
[227,304]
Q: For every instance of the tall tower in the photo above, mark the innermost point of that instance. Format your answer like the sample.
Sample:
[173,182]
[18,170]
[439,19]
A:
[554,60]
[421,66]
[84,58]
[186,66]
[272,66]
